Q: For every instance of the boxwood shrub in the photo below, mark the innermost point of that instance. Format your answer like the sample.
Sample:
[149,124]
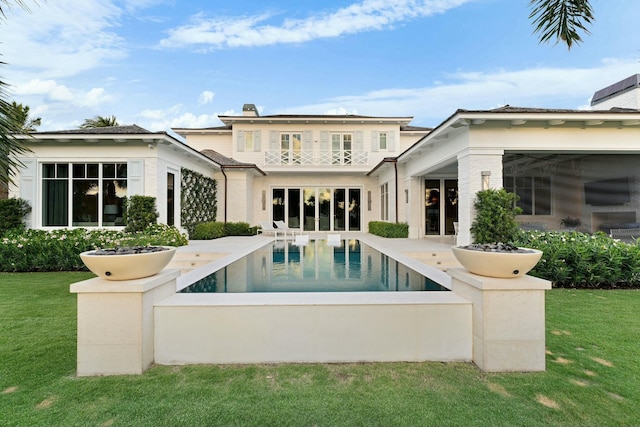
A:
[214,230]
[389,229]
[580,260]
[12,214]
[59,250]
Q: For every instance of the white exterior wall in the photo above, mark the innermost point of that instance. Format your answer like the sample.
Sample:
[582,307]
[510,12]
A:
[238,186]
[156,161]
[258,157]
[220,142]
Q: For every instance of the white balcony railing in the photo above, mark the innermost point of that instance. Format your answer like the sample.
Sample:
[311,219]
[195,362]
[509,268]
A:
[335,158]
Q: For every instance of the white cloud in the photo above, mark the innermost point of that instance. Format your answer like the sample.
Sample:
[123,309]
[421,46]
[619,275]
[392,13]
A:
[175,117]
[96,96]
[368,15]
[538,87]
[60,39]
[48,89]
[206,97]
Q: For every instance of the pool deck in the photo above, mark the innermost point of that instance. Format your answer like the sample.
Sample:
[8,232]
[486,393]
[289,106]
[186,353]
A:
[429,256]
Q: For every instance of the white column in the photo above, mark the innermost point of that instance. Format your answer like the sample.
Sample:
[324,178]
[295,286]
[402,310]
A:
[116,323]
[471,165]
[415,208]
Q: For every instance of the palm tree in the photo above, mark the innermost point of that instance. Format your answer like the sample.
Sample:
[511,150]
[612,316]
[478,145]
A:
[10,146]
[20,115]
[100,122]
[561,19]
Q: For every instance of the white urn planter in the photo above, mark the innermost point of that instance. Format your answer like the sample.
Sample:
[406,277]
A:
[497,262]
[128,263]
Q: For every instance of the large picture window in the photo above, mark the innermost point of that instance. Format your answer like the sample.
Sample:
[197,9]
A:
[92,195]
[534,193]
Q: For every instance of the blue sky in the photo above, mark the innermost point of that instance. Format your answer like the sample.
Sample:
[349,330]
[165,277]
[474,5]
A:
[163,64]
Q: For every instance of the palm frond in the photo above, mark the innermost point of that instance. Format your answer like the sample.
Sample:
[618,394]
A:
[563,20]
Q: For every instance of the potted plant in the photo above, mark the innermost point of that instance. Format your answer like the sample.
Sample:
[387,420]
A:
[493,230]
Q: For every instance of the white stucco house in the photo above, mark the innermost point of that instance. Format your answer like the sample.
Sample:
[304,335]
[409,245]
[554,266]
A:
[339,172]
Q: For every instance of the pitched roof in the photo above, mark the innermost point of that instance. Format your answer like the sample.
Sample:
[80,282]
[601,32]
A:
[228,162]
[511,109]
[108,130]
[408,128]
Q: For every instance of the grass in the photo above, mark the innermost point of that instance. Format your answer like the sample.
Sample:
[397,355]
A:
[592,376]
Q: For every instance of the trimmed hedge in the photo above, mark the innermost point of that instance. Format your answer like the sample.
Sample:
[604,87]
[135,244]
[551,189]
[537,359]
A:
[215,230]
[389,229]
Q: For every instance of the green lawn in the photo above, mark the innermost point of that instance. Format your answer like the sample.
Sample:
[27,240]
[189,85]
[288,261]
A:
[592,377]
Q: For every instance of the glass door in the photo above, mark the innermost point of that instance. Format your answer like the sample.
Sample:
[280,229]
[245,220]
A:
[354,209]
[318,208]
[339,209]
[450,206]
[432,207]
[309,195]
[441,206]
[293,208]
[324,209]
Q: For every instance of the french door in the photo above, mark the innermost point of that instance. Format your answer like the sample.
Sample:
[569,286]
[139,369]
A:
[441,206]
[318,208]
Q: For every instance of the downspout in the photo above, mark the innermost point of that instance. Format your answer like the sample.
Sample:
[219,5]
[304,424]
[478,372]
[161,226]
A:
[395,167]
[225,193]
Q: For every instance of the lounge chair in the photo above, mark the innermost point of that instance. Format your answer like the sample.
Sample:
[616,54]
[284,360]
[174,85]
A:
[301,240]
[334,240]
[280,225]
[267,227]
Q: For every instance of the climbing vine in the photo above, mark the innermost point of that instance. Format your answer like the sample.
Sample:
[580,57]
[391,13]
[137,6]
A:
[198,199]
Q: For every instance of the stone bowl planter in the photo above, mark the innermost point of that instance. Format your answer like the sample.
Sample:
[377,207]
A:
[128,263]
[503,261]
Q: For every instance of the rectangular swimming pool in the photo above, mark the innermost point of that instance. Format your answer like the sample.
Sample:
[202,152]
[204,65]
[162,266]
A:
[282,266]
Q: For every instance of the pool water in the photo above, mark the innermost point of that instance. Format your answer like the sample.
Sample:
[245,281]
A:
[316,267]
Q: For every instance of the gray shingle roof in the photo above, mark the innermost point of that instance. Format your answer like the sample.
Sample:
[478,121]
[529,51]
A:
[510,109]
[109,130]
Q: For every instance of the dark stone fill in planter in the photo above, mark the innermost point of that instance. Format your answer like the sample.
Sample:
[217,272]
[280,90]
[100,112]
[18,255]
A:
[129,250]
[496,247]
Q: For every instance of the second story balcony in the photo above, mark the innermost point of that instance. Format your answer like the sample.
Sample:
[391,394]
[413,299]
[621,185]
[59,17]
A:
[314,158]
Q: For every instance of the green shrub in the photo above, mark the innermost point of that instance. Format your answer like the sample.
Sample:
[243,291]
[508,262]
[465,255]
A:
[208,230]
[59,250]
[239,229]
[495,216]
[141,213]
[389,229]
[580,260]
[12,214]
[214,230]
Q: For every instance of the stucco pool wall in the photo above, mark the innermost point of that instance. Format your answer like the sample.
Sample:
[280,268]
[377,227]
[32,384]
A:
[313,327]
